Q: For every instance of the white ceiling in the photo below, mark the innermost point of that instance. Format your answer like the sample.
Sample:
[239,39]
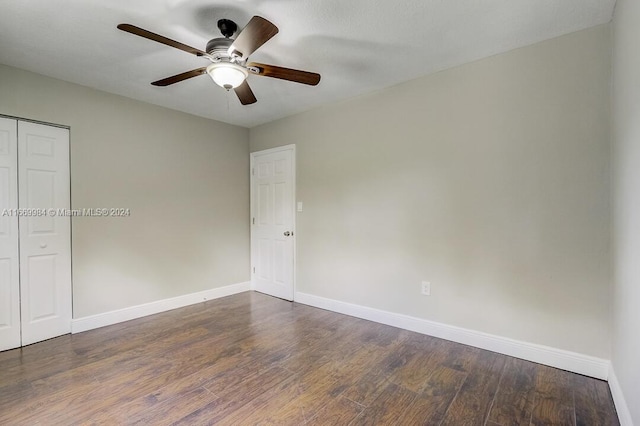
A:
[357,45]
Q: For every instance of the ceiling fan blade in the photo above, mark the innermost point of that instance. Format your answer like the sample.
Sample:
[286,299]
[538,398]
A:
[161,39]
[180,77]
[245,94]
[257,32]
[304,77]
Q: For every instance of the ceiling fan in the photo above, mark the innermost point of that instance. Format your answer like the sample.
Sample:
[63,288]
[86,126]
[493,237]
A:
[229,67]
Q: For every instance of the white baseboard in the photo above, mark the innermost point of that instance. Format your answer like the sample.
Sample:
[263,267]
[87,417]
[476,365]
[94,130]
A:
[113,317]
[624,415]
[565,360]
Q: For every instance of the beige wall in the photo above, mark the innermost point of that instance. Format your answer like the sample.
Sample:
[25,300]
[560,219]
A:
[184,178]
[490,180]
[626,185]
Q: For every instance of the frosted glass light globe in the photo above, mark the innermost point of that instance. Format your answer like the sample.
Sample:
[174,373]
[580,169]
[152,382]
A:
[227,74]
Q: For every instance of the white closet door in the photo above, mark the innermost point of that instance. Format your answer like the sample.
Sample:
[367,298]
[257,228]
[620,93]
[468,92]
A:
[45,246]
[9,264]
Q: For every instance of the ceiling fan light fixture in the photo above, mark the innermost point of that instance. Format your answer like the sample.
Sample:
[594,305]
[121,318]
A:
[229,56]
[227,75]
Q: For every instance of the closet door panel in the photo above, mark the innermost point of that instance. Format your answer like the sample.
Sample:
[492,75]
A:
[9,263]
[45,246]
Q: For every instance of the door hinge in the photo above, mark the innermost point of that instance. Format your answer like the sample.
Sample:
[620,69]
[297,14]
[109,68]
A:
[253,172]
[254,269]
[253,221]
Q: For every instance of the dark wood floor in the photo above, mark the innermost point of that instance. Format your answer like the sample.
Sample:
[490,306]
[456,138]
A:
[252,359]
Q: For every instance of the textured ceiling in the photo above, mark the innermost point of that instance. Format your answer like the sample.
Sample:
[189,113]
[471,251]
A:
[357,45]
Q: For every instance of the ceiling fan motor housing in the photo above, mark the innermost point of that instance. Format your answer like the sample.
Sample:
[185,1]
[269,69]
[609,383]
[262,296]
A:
[219,48]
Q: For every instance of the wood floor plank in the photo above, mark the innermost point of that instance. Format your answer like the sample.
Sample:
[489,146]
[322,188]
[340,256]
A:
[339,411]
[168,412]
[430,406]
[394,367]
[472,403]
[268,402]
[231,399]
[419,365]
[553,399]
[15,392]
[387,407]
[591,403]
[349,366]
[368,387]
[380,335]
[461,357]
[175,390]
[513,403]
[254,359]
[298,409]
[306,394]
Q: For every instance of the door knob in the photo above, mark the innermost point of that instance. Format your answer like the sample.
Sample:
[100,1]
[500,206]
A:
[43,245]
[287,233]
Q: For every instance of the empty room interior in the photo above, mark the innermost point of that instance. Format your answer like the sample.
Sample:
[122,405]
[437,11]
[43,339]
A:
[320,212]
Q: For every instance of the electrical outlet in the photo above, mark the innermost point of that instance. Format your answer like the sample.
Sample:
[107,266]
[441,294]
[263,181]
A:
[426,288]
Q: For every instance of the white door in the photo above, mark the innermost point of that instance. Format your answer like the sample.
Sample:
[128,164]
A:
[9,266]
[45,246]
[272,221]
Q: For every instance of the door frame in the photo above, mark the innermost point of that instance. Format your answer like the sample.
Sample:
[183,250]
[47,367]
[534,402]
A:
[252,156]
